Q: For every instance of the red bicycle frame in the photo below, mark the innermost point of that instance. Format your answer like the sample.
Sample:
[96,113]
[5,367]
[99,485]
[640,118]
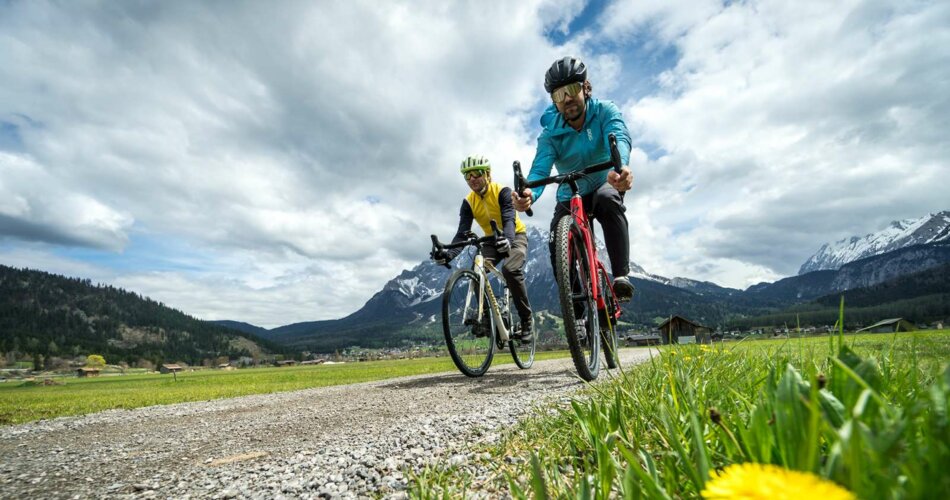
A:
[580,217]
[593,262]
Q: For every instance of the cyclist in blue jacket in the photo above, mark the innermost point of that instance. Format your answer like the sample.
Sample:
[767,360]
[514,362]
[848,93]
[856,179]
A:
[575,136]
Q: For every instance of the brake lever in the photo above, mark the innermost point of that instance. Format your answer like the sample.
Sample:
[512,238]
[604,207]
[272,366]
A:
[438,247]
[614,153]
[520,183]
[494,228]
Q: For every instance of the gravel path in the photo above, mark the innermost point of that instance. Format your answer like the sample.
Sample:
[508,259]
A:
[348,441]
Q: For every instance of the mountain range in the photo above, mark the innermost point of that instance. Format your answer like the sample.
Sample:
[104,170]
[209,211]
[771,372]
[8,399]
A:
[899,234]
[407,308]
[47,315]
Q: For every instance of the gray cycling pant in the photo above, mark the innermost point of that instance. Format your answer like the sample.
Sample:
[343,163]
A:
[606,206]
[513,270]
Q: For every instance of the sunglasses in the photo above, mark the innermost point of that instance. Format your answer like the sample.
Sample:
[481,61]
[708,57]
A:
[561,93]
[474,174]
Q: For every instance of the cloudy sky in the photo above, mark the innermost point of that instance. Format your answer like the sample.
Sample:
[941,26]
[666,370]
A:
[279,162]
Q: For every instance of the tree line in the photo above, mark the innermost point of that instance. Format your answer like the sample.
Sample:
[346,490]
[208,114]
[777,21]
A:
[43,316]
[923,309]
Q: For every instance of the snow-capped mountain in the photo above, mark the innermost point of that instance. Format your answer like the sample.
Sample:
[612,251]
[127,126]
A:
[408,307]
[861,273]
[412,301]
[931,228]
[425,281]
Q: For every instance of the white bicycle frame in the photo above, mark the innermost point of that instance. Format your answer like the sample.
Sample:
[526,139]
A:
[480,266]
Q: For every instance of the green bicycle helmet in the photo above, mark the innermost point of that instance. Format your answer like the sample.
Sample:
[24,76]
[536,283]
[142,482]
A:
[475,162]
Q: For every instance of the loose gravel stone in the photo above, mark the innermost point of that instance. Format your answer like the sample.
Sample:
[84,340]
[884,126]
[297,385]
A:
[355,441]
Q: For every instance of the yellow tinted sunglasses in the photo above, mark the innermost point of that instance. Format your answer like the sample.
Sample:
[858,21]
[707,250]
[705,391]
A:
[561,93]
[473,174]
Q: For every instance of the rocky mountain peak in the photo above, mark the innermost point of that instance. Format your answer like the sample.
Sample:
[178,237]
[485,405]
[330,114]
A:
[931,228]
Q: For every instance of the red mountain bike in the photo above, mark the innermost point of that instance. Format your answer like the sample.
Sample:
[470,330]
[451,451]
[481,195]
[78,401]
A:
[588,304]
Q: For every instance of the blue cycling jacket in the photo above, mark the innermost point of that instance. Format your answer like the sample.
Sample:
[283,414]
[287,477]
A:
[569,150]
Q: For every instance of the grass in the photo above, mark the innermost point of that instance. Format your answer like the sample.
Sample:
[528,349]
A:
[868,413]
[24,402]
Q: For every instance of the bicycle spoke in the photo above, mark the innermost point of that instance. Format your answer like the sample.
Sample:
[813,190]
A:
[522,352]
[469,334]
[608,333]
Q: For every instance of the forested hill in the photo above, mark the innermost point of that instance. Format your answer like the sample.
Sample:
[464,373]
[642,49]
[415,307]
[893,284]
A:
[53,316]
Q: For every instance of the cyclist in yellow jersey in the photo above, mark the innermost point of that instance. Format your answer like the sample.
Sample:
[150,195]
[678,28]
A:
[490,201]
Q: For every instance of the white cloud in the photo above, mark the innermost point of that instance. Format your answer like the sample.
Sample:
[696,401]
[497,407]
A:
[299,157]
[788,125]
[258,134]
[33,206]
[666,19]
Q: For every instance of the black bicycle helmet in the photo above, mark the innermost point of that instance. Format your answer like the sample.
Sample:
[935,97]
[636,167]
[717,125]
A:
[564,71]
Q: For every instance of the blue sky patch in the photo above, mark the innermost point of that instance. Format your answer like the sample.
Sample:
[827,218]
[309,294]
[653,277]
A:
[581,22]
[145,252]
[685,226]
[10,139]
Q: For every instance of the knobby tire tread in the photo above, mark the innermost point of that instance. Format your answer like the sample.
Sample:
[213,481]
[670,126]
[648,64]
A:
[587,371]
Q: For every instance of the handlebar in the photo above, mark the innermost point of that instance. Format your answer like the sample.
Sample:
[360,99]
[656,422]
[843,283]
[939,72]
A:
[571,177]
[470,239]
[520,183]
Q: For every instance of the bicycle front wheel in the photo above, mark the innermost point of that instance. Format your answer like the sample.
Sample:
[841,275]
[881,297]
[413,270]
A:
[578,307]
[522,352]
[469,334]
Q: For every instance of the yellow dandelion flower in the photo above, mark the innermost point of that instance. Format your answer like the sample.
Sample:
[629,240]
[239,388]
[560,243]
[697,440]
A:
[686,358]
[753,481]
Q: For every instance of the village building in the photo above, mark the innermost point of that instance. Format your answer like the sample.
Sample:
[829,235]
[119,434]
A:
[678,328]
[641,339]
[890,326]
[170,368]
[87,372]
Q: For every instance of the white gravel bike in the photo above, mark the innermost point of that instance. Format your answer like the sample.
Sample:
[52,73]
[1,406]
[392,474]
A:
[477,312]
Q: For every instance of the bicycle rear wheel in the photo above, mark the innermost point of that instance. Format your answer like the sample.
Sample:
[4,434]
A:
[469,337]
[608,330]
[578,307]
[523,353]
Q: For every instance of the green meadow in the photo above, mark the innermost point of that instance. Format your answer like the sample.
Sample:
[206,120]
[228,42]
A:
[24,401]
[862,416]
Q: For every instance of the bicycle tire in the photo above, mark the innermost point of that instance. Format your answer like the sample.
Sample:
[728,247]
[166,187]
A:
[471,346]
[608,330]
[574,289]
[523,354]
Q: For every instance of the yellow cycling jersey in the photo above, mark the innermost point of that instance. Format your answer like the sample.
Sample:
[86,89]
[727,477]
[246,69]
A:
[488,207]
